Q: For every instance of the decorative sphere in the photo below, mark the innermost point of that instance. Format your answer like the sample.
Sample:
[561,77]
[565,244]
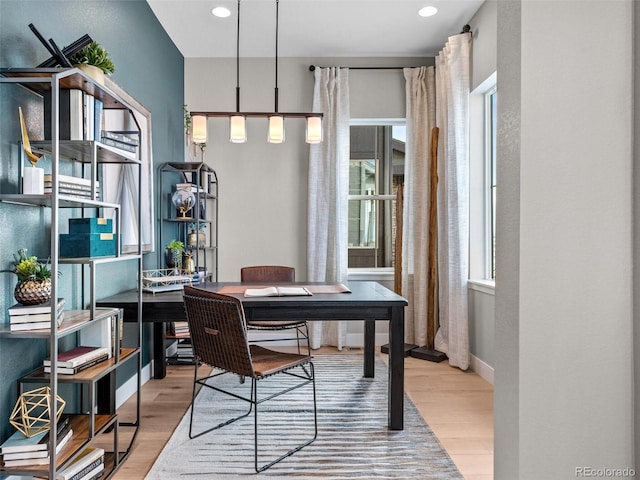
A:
[183,200]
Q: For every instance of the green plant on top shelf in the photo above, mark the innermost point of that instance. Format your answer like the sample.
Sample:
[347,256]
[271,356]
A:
[94,54]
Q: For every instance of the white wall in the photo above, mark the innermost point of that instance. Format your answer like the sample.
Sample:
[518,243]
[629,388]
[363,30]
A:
[484,26]
[564,379]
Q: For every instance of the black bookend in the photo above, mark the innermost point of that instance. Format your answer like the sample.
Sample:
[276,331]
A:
[43,42]
[60,57]
[62,60]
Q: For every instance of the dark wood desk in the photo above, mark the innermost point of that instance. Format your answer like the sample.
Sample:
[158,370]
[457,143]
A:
[369,302]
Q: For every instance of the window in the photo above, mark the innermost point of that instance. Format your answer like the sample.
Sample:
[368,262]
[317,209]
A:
[491,109]
[483,103]
[376,169]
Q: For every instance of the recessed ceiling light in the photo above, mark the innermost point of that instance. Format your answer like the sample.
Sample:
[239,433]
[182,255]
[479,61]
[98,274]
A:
[427,11]
[221,12]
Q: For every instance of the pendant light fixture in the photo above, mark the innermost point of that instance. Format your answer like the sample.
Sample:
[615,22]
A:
[238,122]
[276,122]
[199,129]
[237,119]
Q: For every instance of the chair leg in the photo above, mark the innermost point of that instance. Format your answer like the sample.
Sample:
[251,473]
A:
[254,396]
[193,397]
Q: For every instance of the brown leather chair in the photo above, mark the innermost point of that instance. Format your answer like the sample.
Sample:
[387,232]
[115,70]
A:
[219,337]
[267,275]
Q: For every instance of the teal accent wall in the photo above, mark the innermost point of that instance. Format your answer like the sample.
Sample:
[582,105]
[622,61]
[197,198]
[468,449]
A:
[150,68]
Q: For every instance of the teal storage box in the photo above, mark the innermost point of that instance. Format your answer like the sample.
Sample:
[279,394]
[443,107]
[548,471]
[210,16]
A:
[75,245]
[90,225]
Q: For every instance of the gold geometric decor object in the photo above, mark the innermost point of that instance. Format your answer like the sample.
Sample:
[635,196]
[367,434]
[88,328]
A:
[31,413]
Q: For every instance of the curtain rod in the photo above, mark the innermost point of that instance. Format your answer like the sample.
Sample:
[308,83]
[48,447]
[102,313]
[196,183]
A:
[465,29]
[313,67]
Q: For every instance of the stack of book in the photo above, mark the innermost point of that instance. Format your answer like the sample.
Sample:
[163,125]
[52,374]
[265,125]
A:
[19,450]
[80,115]
[68,185]
[119,140]
[78,359]
[88,465]
[181,329]
[34,317]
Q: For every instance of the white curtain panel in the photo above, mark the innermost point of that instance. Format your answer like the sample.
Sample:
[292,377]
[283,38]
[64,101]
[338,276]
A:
[452,117]
[328,187]
[421,113]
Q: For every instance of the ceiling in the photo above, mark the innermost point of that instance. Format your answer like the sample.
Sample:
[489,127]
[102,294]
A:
[313,28]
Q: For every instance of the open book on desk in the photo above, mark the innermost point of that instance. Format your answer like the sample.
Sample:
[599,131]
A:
[277,292]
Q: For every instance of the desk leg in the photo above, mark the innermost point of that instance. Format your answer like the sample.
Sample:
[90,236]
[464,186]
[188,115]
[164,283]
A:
[396,369]
[369,348]
[159,360]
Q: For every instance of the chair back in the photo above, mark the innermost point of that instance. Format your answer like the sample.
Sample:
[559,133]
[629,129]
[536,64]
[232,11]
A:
[218,330]
[268,273]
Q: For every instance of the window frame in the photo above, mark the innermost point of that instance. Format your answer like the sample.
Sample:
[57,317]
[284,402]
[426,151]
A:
[391,122]
[490,133]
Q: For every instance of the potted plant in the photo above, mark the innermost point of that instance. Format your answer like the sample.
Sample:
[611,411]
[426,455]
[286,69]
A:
[173,256]
[34,279]
[94,61]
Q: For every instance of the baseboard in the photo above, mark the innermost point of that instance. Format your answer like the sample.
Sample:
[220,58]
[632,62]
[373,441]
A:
[128,388]
[481,368]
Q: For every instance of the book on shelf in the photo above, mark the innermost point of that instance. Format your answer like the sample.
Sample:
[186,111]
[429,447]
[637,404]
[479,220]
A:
[88,118]
[36,457]
[98,119]
[89,456]
[101,334]
[18,442]
[70,186]
[70,192]
[78,368]
[71,114]
[77,356]
[192,187]
[122,146]
[69,180]
[277,292]
[30,318]
[42,325]
[93,472]
[120,137]
[19,309]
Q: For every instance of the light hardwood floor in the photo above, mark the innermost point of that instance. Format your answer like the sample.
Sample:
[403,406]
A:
[457,405]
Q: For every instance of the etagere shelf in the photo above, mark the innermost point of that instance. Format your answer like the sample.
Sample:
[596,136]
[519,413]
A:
[204,183]
[96,411]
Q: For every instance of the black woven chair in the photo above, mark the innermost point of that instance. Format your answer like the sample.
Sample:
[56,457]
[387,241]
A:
[268,275]
[219,338]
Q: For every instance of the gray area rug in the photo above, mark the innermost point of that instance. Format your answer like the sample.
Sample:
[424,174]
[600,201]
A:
[353,440]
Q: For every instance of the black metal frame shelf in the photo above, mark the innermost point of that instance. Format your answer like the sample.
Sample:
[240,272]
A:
[89,155]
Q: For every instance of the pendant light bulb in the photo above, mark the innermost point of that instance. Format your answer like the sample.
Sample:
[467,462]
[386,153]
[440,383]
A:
[199,129]
[237,129]
[276,129]
[314,130]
